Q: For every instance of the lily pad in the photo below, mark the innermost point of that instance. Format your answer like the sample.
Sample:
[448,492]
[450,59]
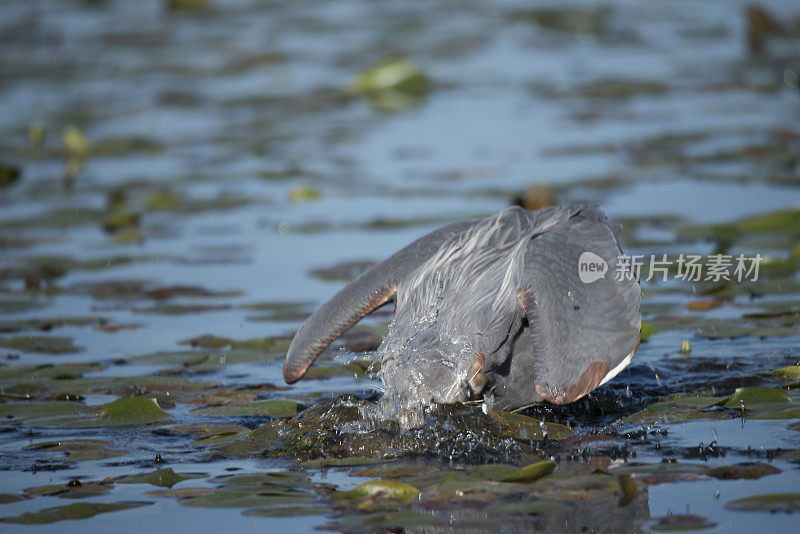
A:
[46,344]
[523,427]
[79,450]
[493,471]
[287,511]
[532,472]
[393,84]
[19,325]
[533,507]
[165,478]
[678,408]
[386,489]
[770,502]
[646,331]
[200,430]
[65,371]
[743,471]
[81,510]
[74,489]
[269,408]
[249,498]
[627,489]
[681,522]
[133,411]
[788,373]
[756,395]
[181,493]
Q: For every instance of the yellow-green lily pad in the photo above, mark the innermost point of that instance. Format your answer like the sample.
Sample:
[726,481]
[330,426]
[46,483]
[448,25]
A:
[386,489]
[532,472]
[789,373]
[756,395]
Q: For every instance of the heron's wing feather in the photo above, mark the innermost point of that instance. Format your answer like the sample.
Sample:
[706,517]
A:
[583,333]
[372,289]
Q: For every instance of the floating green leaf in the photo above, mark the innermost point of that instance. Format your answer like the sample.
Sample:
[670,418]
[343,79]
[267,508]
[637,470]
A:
[287,511]
[79,450]
[133,411]
[181,493]
[392,85]
[386,489]
[270,408]
[756,395]
[47,344]
[743,471]
[770,502]
[532,472]
[165,478]
[80,510]
[677,408]
[681,523]
[249,498]
[646,331]
[627,489]
[788,373]
[523,427]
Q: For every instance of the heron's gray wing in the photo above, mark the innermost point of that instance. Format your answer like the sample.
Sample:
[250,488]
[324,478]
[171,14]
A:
[583,333]
[372,289]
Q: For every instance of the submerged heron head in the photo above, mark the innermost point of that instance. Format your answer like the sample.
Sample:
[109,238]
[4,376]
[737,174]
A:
[496,307]
[421,366]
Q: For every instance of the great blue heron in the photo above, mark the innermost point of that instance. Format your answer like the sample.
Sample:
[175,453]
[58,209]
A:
[495,308]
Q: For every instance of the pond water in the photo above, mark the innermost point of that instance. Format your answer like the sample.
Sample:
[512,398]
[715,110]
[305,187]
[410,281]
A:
[183,181]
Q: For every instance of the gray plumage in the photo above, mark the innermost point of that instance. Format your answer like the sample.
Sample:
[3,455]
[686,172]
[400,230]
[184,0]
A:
[494,308]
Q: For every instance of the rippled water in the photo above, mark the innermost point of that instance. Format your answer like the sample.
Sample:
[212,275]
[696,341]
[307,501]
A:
[232,184]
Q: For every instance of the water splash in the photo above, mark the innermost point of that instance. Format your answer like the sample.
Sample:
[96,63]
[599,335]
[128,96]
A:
[421,366]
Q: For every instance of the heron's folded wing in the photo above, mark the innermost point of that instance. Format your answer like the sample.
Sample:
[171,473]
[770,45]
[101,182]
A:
[372,289]
[583,331]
